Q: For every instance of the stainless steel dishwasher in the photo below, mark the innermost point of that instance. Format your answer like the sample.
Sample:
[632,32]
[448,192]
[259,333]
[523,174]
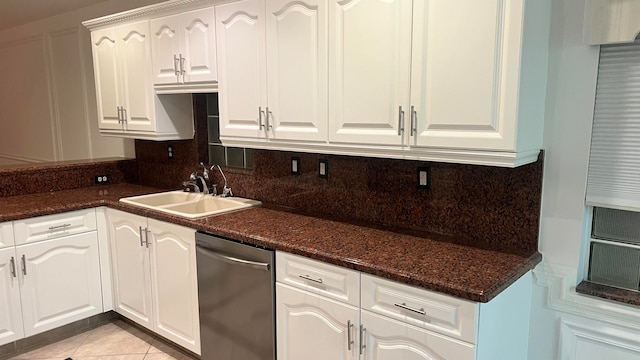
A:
[237,299]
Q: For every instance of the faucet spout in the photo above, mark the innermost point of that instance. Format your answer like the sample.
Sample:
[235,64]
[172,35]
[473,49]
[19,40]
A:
[226,191]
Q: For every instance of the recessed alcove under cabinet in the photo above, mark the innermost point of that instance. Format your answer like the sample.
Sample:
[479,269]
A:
[325,311]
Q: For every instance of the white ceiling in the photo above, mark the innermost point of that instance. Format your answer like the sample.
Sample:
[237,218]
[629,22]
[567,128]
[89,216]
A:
[18,12]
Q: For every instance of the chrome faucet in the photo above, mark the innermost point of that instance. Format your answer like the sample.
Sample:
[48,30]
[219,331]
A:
[197,180]
[226,191]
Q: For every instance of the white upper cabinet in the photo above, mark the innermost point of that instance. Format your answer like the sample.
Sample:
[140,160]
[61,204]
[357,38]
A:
[369,70]
[297,69]
[471,90]
[273,69]
[184,48]
[454,81]
[106,69]
[240,36]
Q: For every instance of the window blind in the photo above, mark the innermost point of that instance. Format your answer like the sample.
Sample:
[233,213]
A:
[614,164]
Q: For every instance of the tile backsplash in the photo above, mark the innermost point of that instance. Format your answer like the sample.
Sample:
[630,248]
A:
[489,207]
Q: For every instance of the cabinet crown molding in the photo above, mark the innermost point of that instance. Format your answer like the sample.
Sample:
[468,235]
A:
[145,12]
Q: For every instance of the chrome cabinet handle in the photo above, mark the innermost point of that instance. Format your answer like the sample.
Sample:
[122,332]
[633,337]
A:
[362,333]
[349,339]
[12,263]
[24,265]
[308,277]
[414,120]
[140,234]
[406,307]
[146,237]
[59,226]
[119,114]
[124,114]
[269,126]
[400,121]
[175,65]
[260,112]
[182,65]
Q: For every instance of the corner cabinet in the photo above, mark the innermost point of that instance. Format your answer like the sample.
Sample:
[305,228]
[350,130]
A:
[328,312]
[453,81]
[154,276]
[50,275]
[128,104]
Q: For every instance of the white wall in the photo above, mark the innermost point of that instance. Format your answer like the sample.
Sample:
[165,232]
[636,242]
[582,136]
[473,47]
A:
[564,324]
[47,91]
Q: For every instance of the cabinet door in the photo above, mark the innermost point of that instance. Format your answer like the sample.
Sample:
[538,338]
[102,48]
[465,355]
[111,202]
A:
[466,59]
[10,308]
[130,267]
[60,281]
[198,31]
[108,86]
[6,234]
[312,327]
[297,69]
[369,71]
[165,43]
[240,36]
[387,339]
[175,285]
[134,54]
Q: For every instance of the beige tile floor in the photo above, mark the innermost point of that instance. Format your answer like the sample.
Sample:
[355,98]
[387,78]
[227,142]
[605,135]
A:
[114,341]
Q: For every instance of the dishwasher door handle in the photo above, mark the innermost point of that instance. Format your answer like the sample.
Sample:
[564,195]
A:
[234,260]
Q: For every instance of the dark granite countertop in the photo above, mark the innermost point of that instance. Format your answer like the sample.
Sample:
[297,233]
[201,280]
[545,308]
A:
[609,292]
[462,271]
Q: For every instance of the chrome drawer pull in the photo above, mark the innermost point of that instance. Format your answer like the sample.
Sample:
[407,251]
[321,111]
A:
[349,339]
[417,311]
[59,226]
[140,234]
[13,267]
[307,277]
[414,120]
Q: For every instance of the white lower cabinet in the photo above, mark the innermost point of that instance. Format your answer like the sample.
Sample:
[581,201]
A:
[154,276]
[388,339]
[51,279]
[391,321]
[314,327]
[60,281]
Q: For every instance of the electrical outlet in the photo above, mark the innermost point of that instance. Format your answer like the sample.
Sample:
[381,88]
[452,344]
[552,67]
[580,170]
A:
[424,178]
[170,151]
[295,165]
[101,179]
[323,168]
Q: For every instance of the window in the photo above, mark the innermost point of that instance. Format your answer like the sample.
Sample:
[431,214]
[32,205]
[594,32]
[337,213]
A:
[613,181]
[219,154]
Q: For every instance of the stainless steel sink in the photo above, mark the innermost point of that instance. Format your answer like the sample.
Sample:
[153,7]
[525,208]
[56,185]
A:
[189,205]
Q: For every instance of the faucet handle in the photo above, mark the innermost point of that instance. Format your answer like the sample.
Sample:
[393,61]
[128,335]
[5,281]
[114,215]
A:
[205,171]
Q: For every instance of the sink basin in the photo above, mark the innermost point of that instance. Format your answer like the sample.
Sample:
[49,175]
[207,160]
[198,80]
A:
[189,205]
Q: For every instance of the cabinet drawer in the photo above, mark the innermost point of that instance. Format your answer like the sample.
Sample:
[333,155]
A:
[54,226]
[6,234]
[331,281]
[436,312]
